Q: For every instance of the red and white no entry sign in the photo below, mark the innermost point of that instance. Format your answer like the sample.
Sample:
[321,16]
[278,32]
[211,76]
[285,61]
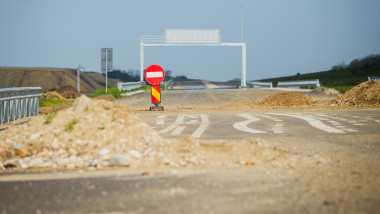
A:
[154,74]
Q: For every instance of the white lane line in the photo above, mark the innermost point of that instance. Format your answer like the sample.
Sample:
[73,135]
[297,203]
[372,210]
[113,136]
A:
[242,126]
[178,130]
[161,120]
[335,123]
[268,117]
[277,129]
[204,124]
[176,123]
[314,122]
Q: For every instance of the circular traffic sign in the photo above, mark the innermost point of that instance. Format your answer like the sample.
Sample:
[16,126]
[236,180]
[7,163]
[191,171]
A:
[154,74]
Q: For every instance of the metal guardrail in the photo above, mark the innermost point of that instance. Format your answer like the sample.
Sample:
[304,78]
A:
[167,83]
[374,78]
[18,103]
[297,84]
[261,84]
[127,86]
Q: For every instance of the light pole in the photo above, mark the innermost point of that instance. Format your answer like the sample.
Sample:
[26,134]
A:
[78,75]
[241,22]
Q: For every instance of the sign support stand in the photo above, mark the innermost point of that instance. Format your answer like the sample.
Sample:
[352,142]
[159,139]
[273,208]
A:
[154,75]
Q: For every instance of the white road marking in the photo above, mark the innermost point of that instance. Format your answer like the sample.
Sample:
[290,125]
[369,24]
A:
[177,131]
[204,124]
[314,122]
[277,129]
[242,126]
[269,117]
[161,120]
[335,123]
[176,123]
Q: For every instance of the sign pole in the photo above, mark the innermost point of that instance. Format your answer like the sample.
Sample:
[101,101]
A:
[154,75]
[106,70]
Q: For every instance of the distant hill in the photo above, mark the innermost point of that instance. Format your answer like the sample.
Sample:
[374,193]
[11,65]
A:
[52,78]
[341,75]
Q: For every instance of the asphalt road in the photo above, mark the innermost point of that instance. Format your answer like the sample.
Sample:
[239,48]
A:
[265,124]
[346,183]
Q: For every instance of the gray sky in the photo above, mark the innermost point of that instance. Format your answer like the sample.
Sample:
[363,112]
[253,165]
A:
[283,37]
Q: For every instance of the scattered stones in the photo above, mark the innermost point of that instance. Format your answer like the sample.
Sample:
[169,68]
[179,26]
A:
[120,160]
[11,163]
[126,142]
[22,152]
[135,154]
[145,173]
[81,104]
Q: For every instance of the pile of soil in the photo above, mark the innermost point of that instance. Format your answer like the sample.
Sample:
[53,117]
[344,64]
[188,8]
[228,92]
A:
[365,94]
[287,99]
[52,94]
[105,97]
[326,91]
[69,92]
[99,133]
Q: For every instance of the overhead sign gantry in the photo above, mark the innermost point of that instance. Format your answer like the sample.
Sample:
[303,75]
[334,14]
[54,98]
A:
[190,37]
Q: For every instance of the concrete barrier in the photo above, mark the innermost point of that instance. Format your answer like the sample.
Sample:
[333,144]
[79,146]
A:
[261,84]
[127,86]
[374,78]
[298,84]
[18,103]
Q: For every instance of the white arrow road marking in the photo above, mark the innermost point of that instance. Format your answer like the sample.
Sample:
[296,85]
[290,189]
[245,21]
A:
[176,123]
[204,124]
[242,126]
[178,130]
[313,122]
[161,120]
[269,117]
[277,129]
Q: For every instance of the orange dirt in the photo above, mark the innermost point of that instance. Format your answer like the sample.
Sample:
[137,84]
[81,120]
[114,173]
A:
[69,92]
[365,94]
[287,99]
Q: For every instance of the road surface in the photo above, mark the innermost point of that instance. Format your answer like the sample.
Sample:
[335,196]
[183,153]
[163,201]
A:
[338,170]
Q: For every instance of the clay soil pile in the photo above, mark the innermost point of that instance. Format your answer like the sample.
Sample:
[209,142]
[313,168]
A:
[98,133]
[69,92]
[52,94]
[287,99]
[326,91]
[365,94]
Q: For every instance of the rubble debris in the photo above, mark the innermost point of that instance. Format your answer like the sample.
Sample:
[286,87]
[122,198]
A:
[287,99]
[124,141]
[365,94]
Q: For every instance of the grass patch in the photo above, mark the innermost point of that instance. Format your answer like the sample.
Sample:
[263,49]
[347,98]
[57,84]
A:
[49,101]
[71,124]
[114,91]
[49,118]
[343,89]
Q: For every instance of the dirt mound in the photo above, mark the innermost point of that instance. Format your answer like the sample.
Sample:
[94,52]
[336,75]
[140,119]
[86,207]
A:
[287,99]
[52,94]
[69,92]
[326,91]
[105,97]
[365,94]
[99,133]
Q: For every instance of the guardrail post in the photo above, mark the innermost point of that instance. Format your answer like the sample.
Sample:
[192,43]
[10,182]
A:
[29,104]
[36,106]
[22,107]
[18,109]
[33,106]
[1,112]
[12,108]
[6,111]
